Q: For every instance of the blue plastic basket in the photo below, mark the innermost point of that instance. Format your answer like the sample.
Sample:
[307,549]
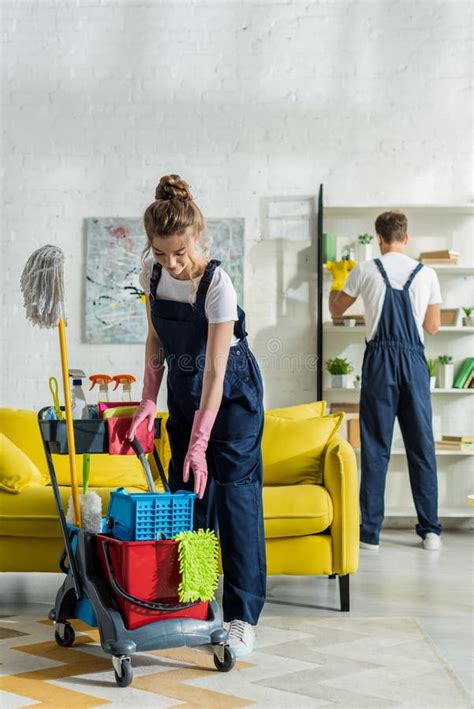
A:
[145,516]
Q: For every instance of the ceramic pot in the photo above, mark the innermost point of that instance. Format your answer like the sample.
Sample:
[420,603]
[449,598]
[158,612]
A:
[364,252]
[340,381]
[445,376]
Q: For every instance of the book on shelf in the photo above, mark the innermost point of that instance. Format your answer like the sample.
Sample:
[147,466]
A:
[457,439]
[459,447]
[348,408]
[469,384]
[464,373]
[443,255]
[339,320]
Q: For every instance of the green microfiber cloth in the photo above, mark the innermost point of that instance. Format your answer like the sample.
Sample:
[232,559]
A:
[197,553]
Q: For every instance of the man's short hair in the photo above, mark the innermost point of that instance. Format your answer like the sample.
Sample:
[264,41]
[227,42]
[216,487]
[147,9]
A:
[391,226]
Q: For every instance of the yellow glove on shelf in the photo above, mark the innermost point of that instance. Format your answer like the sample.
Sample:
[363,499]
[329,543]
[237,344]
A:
[339,271]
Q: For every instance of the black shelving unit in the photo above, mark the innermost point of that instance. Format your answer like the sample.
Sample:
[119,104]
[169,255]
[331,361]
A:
[319,306]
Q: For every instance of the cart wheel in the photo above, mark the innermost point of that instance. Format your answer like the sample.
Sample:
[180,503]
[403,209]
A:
[229,660]
[126,670]
[69,636]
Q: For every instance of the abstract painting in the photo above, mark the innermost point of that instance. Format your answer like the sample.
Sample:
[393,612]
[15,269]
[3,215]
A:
[115,303]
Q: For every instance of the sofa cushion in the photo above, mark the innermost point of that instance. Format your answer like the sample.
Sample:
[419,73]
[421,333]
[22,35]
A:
[16,469]
[292,449]
[33,513]
[301,411]
[296,510]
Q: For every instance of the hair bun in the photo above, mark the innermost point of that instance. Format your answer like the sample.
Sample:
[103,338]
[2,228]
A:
[173,187]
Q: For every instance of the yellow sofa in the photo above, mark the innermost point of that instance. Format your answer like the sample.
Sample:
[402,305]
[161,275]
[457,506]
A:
[310,498]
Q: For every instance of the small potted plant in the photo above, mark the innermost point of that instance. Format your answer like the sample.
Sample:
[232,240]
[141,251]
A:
[445,372]
[432,370]
[339,368]
[364,247]
[468,321]
[358,381]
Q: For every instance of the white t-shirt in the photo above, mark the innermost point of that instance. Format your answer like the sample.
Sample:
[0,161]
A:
[221,298]
[366,280]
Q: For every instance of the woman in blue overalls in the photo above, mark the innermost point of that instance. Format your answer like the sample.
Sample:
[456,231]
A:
[215,403]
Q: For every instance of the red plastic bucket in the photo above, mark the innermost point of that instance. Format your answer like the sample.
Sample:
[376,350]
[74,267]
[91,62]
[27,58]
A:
[146,572]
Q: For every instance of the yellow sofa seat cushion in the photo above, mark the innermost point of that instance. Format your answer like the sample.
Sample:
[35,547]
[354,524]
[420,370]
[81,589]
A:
[296,510]
[16,469]
[292,449]
[301,411]
[33,513]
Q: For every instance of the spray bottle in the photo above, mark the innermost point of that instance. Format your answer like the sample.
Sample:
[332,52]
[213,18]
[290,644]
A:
[78,399]
[126,380]
[103,380]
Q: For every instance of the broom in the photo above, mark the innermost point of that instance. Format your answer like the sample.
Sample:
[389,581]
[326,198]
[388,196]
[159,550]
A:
[42,285]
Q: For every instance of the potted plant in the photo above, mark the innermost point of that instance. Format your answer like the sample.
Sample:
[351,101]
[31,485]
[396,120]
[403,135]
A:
[432,370]
[445,372]
[468,321]
[339,368]
[364,247]
[358,381]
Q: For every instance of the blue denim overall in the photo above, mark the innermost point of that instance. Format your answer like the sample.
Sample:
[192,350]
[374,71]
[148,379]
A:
[396,383]
[233,497]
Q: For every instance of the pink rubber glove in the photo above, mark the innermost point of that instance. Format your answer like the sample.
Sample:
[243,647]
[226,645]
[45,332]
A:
[147,409]
[196,455]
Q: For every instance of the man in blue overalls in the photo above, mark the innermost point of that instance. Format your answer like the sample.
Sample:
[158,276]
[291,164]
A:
[401,299]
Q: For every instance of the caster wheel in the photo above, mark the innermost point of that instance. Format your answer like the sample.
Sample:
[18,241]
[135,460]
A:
[69,636]
[126,676]
[229,660]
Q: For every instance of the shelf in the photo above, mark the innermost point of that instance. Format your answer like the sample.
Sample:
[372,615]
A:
[442,512]
[401,451]
[439,268]
[331,390]
[360,329]
[351,211]
[452,270]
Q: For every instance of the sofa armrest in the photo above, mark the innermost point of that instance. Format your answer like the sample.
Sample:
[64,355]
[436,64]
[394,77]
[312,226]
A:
[340,479]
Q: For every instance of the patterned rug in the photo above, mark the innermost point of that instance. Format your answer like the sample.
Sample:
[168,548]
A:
[300,662]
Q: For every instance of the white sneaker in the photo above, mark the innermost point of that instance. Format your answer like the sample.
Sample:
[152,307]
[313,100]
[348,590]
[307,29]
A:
[432,541]
[370,547]
[241,637]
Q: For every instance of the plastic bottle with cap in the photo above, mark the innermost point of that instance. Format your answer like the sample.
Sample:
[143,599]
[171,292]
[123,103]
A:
[103,381]
[78,399]
[126,380]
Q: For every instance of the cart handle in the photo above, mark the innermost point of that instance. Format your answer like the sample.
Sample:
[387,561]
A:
[149,605]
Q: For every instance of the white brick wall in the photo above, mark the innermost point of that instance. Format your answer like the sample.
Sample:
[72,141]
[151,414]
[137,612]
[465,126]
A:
[244,100]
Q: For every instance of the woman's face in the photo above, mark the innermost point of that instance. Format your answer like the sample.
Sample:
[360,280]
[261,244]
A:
[175,252]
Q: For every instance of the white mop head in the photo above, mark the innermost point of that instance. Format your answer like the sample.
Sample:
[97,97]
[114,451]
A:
[42,285]
[91,512]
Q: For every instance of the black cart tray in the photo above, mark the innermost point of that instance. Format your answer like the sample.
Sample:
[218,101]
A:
[90,435]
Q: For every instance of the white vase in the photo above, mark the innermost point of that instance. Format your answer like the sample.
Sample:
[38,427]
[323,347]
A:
[364,252]
[432,383]
[468,321]
[340,381]
[445,376]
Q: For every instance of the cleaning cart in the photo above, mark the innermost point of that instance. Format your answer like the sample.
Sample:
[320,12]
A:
[92,590]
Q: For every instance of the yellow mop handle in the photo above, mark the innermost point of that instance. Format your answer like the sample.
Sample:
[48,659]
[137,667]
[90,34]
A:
[69,425]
